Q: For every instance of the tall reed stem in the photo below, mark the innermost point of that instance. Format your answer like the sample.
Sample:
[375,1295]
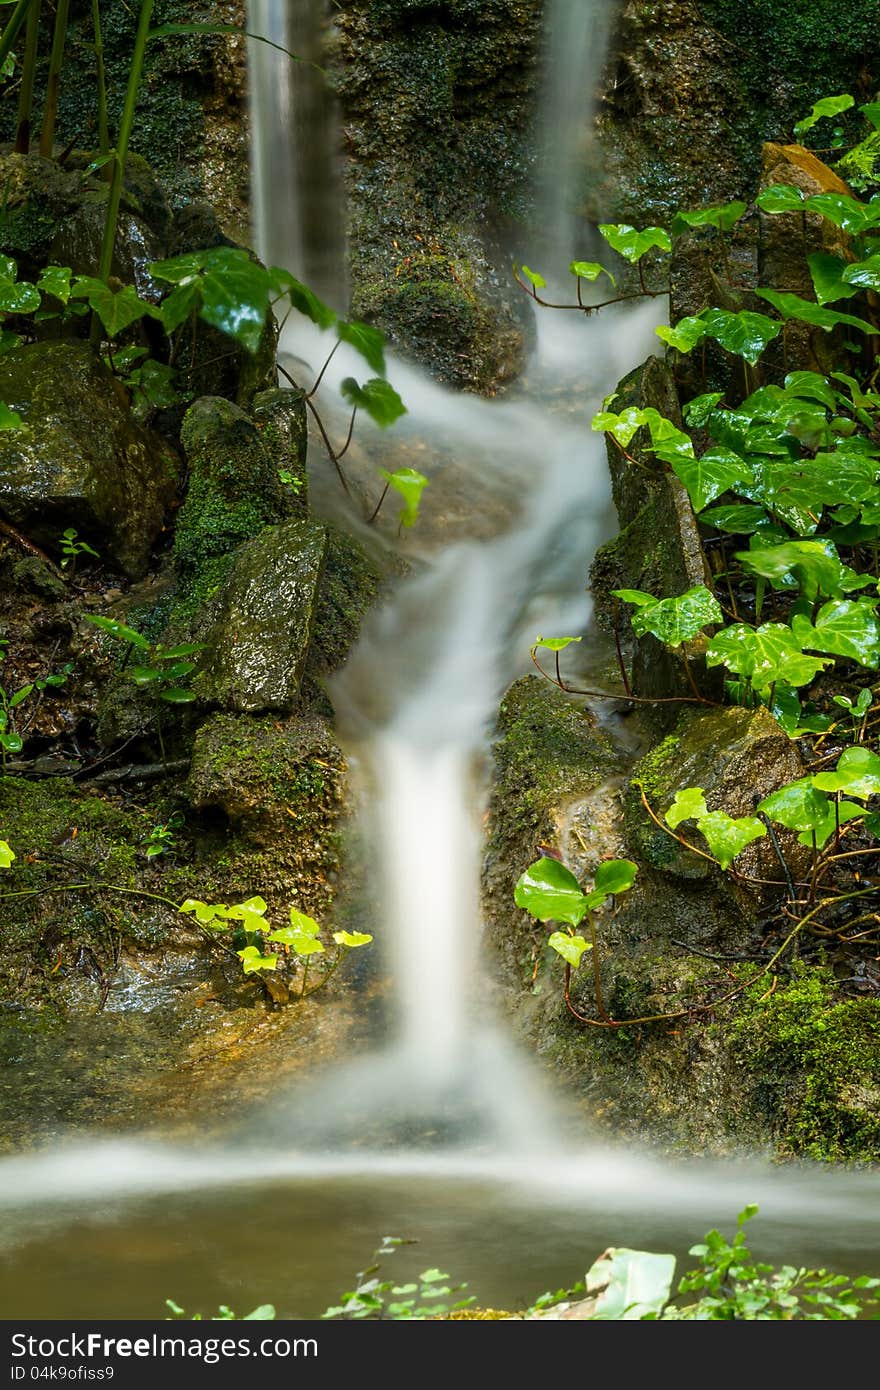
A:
[28,69]
[10,33]
[101,84]
[53,86]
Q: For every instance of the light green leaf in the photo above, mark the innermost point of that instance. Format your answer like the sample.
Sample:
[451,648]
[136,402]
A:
[797,806]
[10,419]
[857,773]
[614,876]
[252,960]
[590,270]
[622,426]
[764,655]
[571,948]
[352,939]
[304,923]
[728,837]
[632,244]
[791,306]
[844,627]
[636,596]
[555,644]
[686,805]
[828,106]
[684,335]
[6,855]
[377,397]
[410,485]
[304,943]
[119,631]
[814,563]
[533,277]
[550,892]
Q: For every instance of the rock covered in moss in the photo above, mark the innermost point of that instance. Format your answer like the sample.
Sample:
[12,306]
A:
[233,493]
[259,641]
[82,460]
[279,782]
[281,420]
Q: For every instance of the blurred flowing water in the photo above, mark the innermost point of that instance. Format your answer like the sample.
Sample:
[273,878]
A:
[445,1133]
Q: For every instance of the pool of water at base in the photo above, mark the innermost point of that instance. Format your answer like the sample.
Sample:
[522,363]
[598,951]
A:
[294,1232]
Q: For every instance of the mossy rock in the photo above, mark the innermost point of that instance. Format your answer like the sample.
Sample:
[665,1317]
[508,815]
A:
[234,492]
[259,640]
[81,460]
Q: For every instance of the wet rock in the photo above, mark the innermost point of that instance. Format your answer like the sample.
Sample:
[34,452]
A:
[280,417]
[234,492]
[77,244]
[82,460]
[738,757]
[278,782]
[258,644]
[34,576]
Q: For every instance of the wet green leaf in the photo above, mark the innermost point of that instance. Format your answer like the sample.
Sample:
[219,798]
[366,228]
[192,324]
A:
[828,106]
[377,397]
[410,485]
[857,773]
[117,309]
[791,306]
[252,960]
[764,655]
[746,334]
[686,805]
[590,270]
[550,892]
[6,855]
[632,244]
[727,837]
[684,335]
[797,806]
[675,620]
[55,280]
[571,948]
[843,627]
[629,1284]
[10,419]
[119,631]
[740,518]
[864,275]
[534,278]
[555,644]
[301,297]
[780,197]
[225,285]
[369,342]
[814,564]
[723,216]
[827,274]
[711,475]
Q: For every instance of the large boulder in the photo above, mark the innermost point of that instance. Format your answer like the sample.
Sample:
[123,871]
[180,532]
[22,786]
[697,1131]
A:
[259,641]
[81,460]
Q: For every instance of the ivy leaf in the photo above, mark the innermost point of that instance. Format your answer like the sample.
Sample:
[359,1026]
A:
[410,485]
[740,519]
[536,280]
[204,912]
[723,216]
[814,563]
[685,335]
[377,397]
[698,412]
[301,297]
[864,275]
[687,805]
[854,217]
[352,939]
[711,475]
[746,334]
[764,655]
[10,419]
[791,306]
[780,197]
[252,960]
[857,773]
[844,627]
[550,892]
[797,806]
[829,281]
[117,309]
[812,386]
[590,270]
[828,106]
[631,244]
[6,855]
[673,620]
[727,837]
[613,876]
[369,342]
[621,427]
[571,948]
[302,942]
[119,631]
[55,280]
[226,286]
[16,296]
[554,644]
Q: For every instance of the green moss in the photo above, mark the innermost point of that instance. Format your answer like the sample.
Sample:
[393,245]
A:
[812,1063]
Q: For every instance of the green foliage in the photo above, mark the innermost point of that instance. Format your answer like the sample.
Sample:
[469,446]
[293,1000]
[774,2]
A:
[550,892]
[6,855]
[828,106]
[725,835]
[251,931]
[164,681]
[410,485]
[672,620]
[377,397]
[374,1297]
[632,244]
[72,548]
[265,1313]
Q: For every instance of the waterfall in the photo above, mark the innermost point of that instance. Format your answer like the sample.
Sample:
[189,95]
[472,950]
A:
[417,699]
